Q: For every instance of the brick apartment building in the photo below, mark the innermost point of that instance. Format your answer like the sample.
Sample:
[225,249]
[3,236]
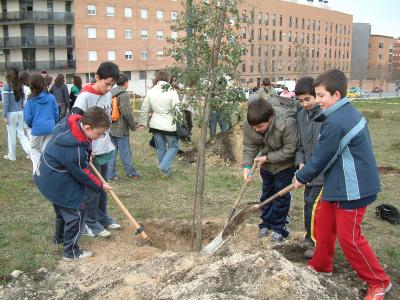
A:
[380,58]
[396,61]
[283,39]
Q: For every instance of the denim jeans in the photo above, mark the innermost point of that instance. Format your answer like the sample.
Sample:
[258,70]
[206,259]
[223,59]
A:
[274,216]
[167,147]
[122,146]
[217,116]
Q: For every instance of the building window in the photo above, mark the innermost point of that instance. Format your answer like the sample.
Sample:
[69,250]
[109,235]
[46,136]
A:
[266,19]
[144,55]
[244,32]
[128,34]
[129,55]
[127,74]
[160,35]
[160,54]
[380,56]
[174,15]
[174,35]
[144,34]
[92,55]
[142,75]
[260,18]
[280,20]
[243,67]
[290,21]
[159,15]
[110,55]
[273,20]
[128,12]
[380,45]
[111,33]
[143,13]
[91,10]
[110,11]
[91,33]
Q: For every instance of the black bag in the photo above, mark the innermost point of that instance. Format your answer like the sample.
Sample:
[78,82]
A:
[388,212]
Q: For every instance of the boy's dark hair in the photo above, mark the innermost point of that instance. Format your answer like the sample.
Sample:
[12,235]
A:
[96,117]
[24,77]
[333,80]
[305,86]
[254,89]
[121,79]
[259,111]
[37,84]
[108,69]
[48,80]
[266,82]
[44,72]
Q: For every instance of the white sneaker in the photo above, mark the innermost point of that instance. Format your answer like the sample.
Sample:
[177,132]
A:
[88,232]
[114,226]
[105,233]
[81,255]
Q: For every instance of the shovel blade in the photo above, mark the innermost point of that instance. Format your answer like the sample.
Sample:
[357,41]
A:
[215,244]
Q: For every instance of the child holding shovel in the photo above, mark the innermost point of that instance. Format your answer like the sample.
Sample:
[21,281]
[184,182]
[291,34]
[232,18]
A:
[309,132]
[63,173]
[273,132]
[351,181]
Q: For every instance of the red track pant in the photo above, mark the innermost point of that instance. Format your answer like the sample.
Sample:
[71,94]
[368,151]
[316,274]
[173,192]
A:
[331,221]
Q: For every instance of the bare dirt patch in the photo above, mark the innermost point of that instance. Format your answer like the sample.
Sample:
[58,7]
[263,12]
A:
[388,170]
[245,268]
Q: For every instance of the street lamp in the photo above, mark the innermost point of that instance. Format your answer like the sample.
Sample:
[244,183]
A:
[87,52]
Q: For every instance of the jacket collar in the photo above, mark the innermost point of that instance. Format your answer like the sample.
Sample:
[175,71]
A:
[324,114]
[74,124]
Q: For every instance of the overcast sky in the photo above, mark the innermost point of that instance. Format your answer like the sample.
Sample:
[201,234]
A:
[383,15]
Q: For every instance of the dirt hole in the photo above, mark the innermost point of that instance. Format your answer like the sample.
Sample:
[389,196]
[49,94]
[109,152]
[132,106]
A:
[388,170]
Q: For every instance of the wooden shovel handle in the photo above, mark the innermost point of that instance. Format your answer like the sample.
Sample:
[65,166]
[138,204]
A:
[281,193]
[121,206]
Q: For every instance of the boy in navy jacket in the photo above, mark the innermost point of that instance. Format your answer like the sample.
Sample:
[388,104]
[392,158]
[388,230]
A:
[344,156]
[63,173]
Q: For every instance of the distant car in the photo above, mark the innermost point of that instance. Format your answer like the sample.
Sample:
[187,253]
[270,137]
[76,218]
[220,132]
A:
[355,92]
[377,89]
[351,94]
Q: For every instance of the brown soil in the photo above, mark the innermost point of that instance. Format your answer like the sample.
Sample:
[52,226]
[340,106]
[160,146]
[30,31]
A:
[388,170]
[244,268]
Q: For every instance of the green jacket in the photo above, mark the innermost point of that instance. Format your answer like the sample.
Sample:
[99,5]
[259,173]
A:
[279,142]
[120,128]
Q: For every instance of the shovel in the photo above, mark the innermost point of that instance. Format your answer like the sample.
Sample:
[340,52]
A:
[138,228]
[235,205]
[239,218]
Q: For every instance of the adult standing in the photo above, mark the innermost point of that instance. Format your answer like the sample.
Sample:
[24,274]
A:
[13,104]
[120,131]
[160,99]
[60,91]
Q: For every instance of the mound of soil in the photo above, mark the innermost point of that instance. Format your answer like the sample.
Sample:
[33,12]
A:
[122,268]
[225,147]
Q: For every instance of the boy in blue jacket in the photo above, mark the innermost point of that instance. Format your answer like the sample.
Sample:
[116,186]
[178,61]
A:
[344,156]
[63,173]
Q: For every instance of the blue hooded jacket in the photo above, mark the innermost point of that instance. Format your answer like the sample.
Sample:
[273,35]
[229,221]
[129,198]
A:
[344,155]
[41,113]
[63,170]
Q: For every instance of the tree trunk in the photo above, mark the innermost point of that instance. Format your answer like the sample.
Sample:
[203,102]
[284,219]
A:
[199,194]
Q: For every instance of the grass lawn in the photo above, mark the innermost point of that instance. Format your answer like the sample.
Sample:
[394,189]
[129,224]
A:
[26,218]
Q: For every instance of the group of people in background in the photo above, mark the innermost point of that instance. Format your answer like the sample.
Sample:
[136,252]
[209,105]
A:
[319,141]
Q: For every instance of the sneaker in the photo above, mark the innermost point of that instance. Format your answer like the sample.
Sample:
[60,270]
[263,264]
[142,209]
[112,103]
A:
[105,233]
[134,177]
[114,178]
[114,226]
[277,237]
[309,253]
[377,293]
[317,272]
[264,232]
[6,157]
[306,243]
[81,255]
[88,232]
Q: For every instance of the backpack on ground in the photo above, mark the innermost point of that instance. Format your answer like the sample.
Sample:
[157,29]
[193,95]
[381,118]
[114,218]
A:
[388,212]
[115,112]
